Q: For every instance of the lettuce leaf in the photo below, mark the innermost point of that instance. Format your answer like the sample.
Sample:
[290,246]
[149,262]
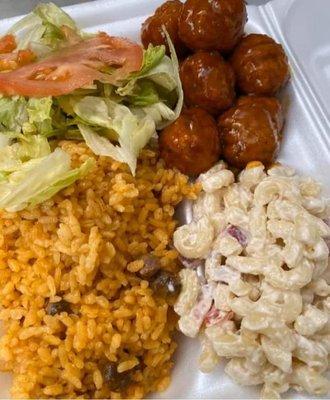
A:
[114,121]
[33,116]
[162,74]
[34,146]
[133,127]
[160,113]
[40,115]
[146,94]
[67,179]
[95,111]
[28,30]
[39,179]
[166,74]
[4,141]
[41,29]
[13,156]
[55,16]
[133,132]
[152,56]
[176,76]
[13,113]
[152,89]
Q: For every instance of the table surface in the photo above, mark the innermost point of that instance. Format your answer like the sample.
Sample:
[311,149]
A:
[9,8]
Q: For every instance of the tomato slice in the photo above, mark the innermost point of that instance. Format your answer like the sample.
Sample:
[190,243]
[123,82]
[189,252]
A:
[8,62]
[74,67]
[11,61]
[25,57]
[7,44]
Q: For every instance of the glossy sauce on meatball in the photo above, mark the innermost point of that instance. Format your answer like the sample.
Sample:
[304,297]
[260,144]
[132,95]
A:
[260,64]
[251,131]
[208,81]
[166,15]
[212,24]
[191,144]
[271,104]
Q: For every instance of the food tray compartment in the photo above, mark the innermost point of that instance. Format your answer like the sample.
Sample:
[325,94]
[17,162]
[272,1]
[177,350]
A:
[303,28]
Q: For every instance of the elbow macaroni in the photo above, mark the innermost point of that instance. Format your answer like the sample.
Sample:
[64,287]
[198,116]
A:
[270,271]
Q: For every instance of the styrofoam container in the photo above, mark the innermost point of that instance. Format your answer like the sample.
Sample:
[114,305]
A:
[303,28]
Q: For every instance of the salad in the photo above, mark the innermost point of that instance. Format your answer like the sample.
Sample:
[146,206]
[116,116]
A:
[58,82]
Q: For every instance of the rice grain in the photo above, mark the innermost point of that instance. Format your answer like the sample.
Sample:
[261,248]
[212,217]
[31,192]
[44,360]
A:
[85,246]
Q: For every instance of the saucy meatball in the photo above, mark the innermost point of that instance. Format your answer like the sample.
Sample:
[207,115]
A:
[191,144]
[166,15]
[251,131]
[260,64]
[208,81]
[271,104]
[212,24]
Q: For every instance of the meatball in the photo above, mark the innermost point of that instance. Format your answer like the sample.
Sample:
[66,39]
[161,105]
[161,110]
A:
[208,82]
[212,24]
[166,15]
[260,64]
[251,131]
[191,144]
[271,104]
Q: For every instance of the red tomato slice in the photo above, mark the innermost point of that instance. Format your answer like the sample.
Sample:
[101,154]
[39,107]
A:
[11,61]
[74,67]
[7,44]
[25,57]
[8,61]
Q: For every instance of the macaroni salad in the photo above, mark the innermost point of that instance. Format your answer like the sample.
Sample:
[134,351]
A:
[256,282]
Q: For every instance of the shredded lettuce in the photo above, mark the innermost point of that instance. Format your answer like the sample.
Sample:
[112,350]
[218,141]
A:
[146,94]
[152,56]
[176,76]
[132,131]
[40,115]
[4,140]
[41,29]
[62,181]
[39,179]
[55,16]
[135,125]
[96,111]
[32,116]
[33,146]
[152,89]
[28,31]
[115,121]
[13,113]
[12,156]
[162,74]
[160,113]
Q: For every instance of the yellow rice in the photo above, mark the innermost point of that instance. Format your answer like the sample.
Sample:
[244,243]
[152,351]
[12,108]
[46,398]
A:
[85,245]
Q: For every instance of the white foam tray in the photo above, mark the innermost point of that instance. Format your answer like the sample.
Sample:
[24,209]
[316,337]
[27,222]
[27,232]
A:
[302,26]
